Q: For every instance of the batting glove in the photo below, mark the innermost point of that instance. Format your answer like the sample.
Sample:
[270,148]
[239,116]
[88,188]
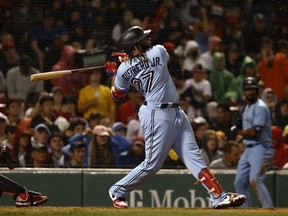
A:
[121,56]
[111,68]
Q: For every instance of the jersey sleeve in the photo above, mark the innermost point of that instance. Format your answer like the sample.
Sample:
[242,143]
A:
[163,52]
[261,116]
[120,83]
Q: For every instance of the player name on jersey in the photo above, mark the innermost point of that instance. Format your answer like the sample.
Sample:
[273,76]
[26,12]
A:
[142,65]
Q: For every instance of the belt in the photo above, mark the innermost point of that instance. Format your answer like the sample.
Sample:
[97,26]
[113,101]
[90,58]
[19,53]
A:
[252,145]
[162,105]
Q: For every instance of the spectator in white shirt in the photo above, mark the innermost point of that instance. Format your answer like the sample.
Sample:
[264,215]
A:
[18,80]
[198,90]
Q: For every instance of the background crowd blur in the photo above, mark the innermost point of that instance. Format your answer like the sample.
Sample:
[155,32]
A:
[72,121]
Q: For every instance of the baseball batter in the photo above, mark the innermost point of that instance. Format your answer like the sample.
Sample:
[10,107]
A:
[164,123]
[256,123]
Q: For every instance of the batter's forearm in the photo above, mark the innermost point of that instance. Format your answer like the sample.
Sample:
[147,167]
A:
[117,94]
[112,81]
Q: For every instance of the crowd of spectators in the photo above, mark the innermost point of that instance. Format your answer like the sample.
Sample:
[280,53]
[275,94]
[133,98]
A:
[72,121]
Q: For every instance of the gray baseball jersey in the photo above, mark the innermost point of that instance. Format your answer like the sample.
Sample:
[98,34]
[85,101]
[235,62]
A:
[150,77]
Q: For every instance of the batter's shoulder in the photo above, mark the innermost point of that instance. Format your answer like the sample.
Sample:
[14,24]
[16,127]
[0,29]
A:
[159,50]
[124,65]
[159,47]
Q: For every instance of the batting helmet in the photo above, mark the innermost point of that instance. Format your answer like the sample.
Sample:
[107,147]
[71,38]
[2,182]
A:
[131,36]
[250,83]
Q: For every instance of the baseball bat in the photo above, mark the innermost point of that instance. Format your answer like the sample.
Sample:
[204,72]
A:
[56,74]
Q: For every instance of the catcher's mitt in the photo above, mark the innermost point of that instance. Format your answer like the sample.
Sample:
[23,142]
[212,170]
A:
[6,157]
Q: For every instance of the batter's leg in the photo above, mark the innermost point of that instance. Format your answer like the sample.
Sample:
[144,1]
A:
[187,149]
[159,132]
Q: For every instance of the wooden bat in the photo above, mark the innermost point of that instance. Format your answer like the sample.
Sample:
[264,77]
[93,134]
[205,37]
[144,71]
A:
[55,74]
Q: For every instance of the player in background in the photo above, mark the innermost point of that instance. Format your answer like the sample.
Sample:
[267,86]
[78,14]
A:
[256,131]
[164,123]
[22,196]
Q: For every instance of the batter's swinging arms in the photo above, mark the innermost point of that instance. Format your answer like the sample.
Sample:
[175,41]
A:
[164,123]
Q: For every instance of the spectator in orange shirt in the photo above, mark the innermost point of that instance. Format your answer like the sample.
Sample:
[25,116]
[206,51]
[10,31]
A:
[273,69]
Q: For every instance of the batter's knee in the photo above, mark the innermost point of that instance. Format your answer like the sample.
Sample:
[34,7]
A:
[151,168]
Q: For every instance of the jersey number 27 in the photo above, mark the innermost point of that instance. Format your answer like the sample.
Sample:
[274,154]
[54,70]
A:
[144,84]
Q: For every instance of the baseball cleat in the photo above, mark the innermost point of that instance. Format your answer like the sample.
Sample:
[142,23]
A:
[231,200]
[237,199]
[118,202]
[30,198]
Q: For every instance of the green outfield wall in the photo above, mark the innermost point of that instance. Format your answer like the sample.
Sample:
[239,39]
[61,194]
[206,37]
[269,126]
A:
[169,188]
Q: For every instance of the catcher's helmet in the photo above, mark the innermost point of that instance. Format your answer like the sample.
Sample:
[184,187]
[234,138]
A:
[131,36]
[250,83]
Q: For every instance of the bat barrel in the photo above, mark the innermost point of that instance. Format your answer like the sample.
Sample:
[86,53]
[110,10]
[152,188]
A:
[56,74]
[49,75]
